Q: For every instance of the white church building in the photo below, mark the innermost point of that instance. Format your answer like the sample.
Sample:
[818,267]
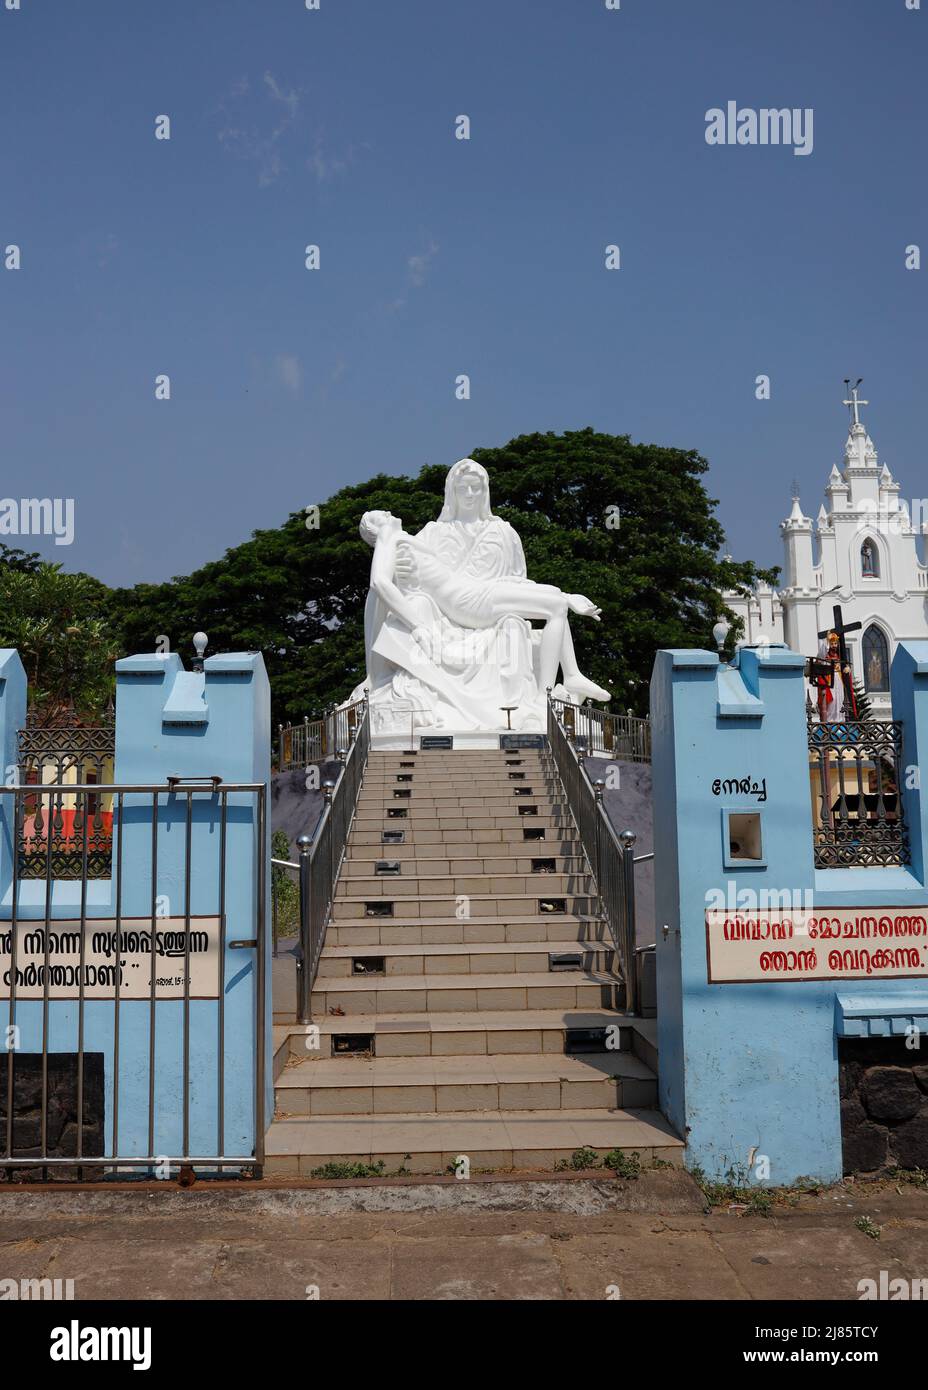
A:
[862,553]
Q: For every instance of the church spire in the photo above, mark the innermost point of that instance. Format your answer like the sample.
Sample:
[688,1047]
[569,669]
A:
[860,454]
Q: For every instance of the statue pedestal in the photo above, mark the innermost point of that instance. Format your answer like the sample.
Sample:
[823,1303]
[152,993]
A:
[461,738]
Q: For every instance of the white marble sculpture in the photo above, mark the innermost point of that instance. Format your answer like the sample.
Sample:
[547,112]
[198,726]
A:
[448,641]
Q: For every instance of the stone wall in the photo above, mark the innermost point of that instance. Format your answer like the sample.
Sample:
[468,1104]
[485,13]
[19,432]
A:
[61,1123]
[884,1104]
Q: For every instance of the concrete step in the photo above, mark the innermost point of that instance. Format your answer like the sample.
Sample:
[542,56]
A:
[356,961]
[503,1139]
[447,906]
[430,1085]
[439,931]
[568,989]
[431,885]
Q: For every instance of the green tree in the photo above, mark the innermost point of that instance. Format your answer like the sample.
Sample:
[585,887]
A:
[631,525]
[56,622]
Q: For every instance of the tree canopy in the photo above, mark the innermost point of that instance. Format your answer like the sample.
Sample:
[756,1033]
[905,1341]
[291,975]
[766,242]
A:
[57,623]
[630,525]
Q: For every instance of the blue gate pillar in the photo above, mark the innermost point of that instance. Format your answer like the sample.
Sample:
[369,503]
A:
[205,861]
[765,962]
[12,719]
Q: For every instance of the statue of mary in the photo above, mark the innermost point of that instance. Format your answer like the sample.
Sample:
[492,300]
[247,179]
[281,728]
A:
[448,635]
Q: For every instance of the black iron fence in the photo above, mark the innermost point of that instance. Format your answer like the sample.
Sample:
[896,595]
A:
[855,769]
[625,737]
[81,1085]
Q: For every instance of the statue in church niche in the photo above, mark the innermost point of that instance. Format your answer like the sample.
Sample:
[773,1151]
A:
[447,626]
[868,561]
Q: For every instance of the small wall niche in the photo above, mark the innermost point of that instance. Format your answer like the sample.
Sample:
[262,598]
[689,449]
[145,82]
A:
[742,839]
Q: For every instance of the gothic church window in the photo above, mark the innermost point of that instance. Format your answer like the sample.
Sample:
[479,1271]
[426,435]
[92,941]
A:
[876,659]
[869,560]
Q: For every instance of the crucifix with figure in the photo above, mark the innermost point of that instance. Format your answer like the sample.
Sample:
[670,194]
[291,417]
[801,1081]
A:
[836,653]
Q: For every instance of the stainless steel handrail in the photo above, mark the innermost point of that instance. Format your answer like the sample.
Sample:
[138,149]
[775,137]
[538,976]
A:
[626,737]
[321,857]
[611,856]
[315,739]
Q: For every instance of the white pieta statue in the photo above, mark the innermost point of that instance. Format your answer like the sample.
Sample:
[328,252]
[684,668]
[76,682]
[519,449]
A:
[448,640]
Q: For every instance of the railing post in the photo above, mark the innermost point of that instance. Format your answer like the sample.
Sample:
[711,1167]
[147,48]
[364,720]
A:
[599,787]
[304,960]
[328,787]
[628,839]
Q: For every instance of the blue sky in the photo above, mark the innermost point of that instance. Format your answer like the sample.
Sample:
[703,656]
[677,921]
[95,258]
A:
[441,256]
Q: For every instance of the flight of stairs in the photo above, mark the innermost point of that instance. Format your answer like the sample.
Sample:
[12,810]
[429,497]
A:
[466,989]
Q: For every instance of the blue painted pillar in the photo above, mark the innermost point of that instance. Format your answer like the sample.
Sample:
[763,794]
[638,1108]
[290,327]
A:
[749,1066]
[197,725]
[909,687]
[12,719]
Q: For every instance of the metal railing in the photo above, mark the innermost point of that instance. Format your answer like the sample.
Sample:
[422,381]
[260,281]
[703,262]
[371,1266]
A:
[321,857]
[298,745]
[611,856]
[854,769]
[625,737]
[69,1076]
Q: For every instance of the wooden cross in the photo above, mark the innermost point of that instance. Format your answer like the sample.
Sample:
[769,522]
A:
[854,403]
[840,627]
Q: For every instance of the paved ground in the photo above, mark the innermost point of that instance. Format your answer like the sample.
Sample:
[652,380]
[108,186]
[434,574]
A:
[481,1240]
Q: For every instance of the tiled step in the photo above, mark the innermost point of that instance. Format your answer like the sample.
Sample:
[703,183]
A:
[460,777]
[478,1033]
[430,885]
[478,826]
[369,845]
[502,1139]
[446,906]
[428,1085]
[471,799]
[493,865]
[453,761]
[440,931]
[356,961]
[567,989]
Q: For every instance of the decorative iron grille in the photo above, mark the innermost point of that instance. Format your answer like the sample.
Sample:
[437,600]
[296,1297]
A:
[855,768]
[55,828]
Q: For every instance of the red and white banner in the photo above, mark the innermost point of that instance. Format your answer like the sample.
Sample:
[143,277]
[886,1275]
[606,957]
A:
[829,944]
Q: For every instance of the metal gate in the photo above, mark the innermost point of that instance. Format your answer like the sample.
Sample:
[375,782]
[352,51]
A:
[135,1030]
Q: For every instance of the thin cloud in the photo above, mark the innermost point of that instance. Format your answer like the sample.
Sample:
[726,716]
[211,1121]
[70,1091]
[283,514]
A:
[289,372]
[418,268]
[252,142]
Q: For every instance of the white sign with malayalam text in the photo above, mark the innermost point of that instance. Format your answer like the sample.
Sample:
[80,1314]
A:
[830,944]
[110,965]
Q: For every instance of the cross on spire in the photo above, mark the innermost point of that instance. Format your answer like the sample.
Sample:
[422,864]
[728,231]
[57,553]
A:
[855,402]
